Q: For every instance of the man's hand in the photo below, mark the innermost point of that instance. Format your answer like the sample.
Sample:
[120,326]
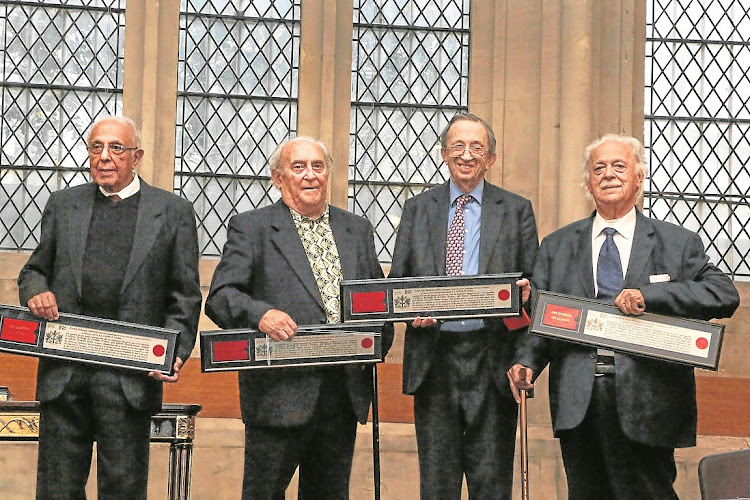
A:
[420,322]
[520,378]
[277,325]
[44,305]
[169,378]
[630,301]
[525,286]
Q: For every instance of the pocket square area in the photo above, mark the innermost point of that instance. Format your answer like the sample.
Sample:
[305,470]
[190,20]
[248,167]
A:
[658,278]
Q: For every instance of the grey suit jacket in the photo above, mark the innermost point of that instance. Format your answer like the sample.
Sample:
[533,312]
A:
[507,243]
[264,266]
[655,399]
[161,285]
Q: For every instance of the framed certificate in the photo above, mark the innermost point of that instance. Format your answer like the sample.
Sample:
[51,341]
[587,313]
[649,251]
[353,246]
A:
[244,349]
[585,321]
[441,297]
[88,340]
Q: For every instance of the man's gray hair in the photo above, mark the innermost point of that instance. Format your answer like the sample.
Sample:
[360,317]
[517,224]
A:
[274,162]
[122,119]
[491,141]
[636,147]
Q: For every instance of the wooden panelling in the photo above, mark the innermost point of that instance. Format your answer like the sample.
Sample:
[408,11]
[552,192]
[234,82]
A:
[723,406]
[723,402]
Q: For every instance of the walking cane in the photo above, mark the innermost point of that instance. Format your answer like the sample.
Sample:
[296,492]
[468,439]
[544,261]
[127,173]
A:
[524,446]
[375,432]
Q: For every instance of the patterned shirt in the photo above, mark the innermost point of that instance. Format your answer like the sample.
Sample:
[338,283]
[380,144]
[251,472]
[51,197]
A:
[320,246]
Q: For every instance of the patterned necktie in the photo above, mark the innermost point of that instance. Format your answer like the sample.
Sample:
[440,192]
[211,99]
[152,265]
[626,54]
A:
[454,251]
[320,247]
[609,278]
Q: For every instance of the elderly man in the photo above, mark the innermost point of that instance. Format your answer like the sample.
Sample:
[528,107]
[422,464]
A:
[619,416]
[115,248]
[281,267]
[464,413]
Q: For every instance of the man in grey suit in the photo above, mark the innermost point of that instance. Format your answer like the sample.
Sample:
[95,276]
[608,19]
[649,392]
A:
[115,248]
[281,267]
[464,413]
[620,416]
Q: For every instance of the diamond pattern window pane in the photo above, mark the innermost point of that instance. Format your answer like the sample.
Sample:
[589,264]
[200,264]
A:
[237,99]
[410,68]
[62,67]
[697,129]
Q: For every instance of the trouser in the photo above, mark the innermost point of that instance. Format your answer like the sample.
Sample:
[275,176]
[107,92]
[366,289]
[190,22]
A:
[601,462]
[92,408]
[464,425]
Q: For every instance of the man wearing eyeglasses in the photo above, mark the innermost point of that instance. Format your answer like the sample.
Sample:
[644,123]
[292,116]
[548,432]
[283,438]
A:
[119,249]
[465,415]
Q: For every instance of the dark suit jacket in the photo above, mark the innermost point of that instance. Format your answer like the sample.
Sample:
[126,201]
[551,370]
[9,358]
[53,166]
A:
[655,399]
[507,243]
[264,266]
[161,285]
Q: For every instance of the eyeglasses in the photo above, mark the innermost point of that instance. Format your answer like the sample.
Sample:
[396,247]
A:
[115,149]
[475,150]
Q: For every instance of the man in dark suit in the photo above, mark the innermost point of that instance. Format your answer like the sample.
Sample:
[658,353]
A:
[620,416]
[115,248]
[464,413]
[281,267]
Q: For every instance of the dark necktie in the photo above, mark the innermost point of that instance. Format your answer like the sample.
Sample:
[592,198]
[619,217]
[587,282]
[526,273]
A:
[114,199]
[454,251]
[609,278]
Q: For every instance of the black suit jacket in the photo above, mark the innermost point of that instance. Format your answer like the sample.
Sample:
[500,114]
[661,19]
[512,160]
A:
[655,399]
[507,243]
[161,286]
[264,266]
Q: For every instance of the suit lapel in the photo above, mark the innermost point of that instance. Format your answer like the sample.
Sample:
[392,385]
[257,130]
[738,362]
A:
[437,222]
[343,234]
[640,251]
[585,269]
[493,213]
[288,244]
[78,230]
[147,226]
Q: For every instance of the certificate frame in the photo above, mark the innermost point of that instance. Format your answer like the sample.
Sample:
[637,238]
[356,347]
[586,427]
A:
[90,340]
[589,322]
[312,345]
[403,299]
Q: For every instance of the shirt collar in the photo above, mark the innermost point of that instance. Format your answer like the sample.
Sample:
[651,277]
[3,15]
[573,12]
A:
[625,225]
[299,218]
[475,193]
[127,191]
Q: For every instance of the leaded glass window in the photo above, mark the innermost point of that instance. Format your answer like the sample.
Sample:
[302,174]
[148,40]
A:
[62,67]
[410,75]
[697,128]
[237,99]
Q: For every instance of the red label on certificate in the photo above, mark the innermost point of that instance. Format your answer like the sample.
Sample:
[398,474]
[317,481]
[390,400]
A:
[235,350]
[561,317]
[368,302]
[19,330]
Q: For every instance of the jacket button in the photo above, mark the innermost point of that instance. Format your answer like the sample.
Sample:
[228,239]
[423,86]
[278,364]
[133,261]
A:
[592,355]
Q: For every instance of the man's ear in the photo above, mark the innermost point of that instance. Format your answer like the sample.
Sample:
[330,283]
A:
[276,178]
[137,154]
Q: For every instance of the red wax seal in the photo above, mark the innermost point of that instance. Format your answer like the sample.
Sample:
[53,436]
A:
[158,351]
[366,342]
[701,343]
[503,294]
